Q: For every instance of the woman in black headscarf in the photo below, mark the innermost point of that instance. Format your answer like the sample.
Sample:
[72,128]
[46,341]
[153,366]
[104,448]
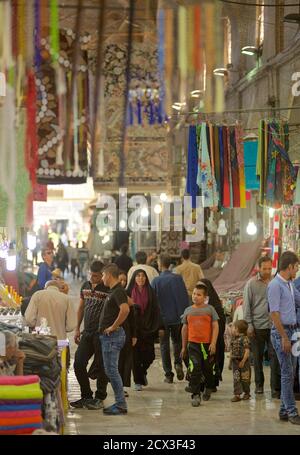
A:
[147,324]
[215,301]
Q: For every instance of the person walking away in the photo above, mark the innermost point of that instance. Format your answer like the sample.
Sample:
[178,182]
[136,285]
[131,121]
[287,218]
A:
[173,300]
[112,336]
[199,338]
[256,314]
[148,323]
[53,305]
[239,356]
[283,298]
[83,258]
[62,259]
[190,272]
[73,260]
[124,262]
[45,268]
[126,354]
[141,264]
[92,297]
[214,301]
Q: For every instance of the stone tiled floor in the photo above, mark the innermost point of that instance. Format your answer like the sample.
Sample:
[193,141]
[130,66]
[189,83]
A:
[165,409]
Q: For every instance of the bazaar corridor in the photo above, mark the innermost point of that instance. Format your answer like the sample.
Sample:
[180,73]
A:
[165,409]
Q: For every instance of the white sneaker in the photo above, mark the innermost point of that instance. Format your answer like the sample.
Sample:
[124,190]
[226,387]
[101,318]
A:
[138,387]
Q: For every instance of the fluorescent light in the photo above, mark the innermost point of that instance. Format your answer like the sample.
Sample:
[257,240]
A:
[271,212]
[122,224]
[157,209]
[163,197]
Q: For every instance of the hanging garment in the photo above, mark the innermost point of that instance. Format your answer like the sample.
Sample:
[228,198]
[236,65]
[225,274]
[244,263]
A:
[281,176]
[192,165]
[234,168]
[205,180]
[226,183]
[241,164]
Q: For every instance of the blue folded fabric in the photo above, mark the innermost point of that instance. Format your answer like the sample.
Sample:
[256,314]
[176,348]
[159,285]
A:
[19,407]
[21,427]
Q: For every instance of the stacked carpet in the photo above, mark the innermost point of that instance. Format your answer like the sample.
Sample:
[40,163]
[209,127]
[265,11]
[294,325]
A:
[20,404]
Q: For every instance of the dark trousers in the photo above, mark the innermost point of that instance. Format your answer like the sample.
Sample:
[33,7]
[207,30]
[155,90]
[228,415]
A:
[173,331]
[241,377]
[201,367]
[89,345]
[143,356]
[258,342]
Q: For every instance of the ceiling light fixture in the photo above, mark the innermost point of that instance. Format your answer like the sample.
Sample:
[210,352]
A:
[220,72]
[251,50]
[293,18]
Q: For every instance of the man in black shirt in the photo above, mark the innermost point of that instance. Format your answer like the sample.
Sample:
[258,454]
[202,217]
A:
[92,297]
[112,335]
[124,262]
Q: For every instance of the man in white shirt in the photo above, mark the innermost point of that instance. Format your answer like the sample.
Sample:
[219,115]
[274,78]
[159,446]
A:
[55,306]
[141,259]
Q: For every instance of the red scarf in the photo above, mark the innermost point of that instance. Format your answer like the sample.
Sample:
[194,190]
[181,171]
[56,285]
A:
[140,297]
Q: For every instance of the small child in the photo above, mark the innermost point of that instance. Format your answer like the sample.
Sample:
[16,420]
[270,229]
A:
[239,355]
[199,337]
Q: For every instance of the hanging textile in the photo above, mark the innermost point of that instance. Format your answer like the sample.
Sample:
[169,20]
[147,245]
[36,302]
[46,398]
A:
[205,178]
[219,175]
[274,167]
[53,88]
[192,165]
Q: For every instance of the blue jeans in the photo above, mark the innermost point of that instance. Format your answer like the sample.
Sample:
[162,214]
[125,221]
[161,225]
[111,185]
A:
[111,347]
[175,332]
[288,403]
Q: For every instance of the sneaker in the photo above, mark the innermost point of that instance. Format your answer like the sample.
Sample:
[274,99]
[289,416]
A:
[214,390]
[284,417]
[188,389]
[138,387]
[206,395]
[126,394]
[246,396]
[93,404]
[259,390]
[295,420]
[196,400]
[114,410]
[79,404]
[179,372]
[168,379]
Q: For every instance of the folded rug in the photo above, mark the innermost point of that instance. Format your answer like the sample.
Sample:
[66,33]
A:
[13,422]
[19,392]
[18,414]
[19,380]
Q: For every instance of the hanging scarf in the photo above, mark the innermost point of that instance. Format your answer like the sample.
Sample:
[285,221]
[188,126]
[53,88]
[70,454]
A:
[54,30]
[169,43]
[241,164]
[192,164]
[140,296]
[205,179]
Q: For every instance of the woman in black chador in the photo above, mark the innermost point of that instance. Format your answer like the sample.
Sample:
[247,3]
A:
[147,323]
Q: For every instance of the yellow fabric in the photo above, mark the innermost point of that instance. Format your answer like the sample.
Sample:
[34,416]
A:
[16,392]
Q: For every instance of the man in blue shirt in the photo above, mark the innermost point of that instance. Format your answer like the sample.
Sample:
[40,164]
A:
[173,300]
[45,268]
[283,298]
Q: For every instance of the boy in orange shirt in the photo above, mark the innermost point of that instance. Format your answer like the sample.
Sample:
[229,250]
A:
[199,337]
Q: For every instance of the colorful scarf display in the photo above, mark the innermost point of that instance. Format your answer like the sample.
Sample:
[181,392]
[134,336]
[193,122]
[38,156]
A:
[215,166]
[274,168]
[16,417]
